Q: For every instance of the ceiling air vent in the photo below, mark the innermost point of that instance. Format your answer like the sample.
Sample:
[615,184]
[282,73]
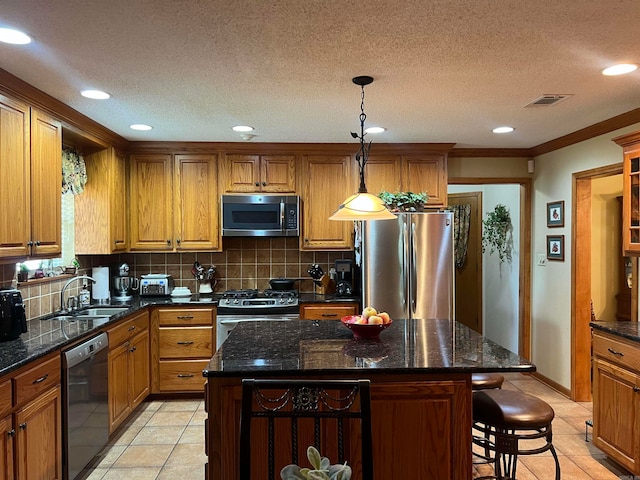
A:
[548,100]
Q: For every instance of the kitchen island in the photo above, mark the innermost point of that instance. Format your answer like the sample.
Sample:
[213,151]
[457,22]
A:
[420,374]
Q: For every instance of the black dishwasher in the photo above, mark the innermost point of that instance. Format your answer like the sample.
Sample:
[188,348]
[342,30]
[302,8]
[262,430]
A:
[85,412]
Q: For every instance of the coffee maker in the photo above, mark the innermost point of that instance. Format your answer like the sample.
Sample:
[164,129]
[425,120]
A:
[13,321]
[123,284]
[345,278]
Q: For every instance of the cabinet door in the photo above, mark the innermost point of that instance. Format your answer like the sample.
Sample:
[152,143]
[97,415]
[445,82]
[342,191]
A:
[426,173]
[241,173]
[278,173]
[46,181]
[150,194]
[119,406]
[382,174]
[326,183]
[15,229]
[39,438]
[196,201]
[616,404]
[7,434]
[139,368]
[631,201]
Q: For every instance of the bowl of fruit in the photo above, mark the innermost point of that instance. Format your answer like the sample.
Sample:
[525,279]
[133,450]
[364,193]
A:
[367,325]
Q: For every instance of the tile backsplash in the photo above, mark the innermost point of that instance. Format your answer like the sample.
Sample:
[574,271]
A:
[246,262]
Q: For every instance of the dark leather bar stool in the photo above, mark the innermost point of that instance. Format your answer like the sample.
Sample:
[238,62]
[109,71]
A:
[508,418]
[484,381]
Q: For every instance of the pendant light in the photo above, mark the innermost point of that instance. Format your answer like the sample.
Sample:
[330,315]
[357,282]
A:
[362,205]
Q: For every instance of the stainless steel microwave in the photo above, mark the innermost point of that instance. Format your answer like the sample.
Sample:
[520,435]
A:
[260,215]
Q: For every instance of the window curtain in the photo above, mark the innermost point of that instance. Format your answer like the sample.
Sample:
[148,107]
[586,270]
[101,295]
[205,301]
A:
[461,217]
[74,172]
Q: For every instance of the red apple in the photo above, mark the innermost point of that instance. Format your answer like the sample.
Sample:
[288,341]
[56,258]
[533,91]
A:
[385,317]
[375,320]
[361,320]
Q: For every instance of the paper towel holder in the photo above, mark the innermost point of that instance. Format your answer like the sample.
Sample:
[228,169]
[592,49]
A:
[100,294]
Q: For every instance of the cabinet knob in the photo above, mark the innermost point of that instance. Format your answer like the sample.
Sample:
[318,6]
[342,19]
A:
[306,240]
[29,243]
[37,243]
[11,433]
[169,242]
[133,349]
[23,426]
[178,241]
[257,184]
[636,389]
[264,184]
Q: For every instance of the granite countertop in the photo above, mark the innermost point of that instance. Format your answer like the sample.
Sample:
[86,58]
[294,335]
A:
[628,330]
[407,346]
[332,298]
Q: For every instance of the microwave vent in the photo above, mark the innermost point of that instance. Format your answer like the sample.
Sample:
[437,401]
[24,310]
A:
[547,100]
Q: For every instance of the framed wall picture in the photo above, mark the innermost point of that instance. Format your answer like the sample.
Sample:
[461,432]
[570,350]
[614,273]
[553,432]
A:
[555,247]
[555,214]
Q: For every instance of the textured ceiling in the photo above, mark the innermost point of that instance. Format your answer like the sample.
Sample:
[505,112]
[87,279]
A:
[445,71]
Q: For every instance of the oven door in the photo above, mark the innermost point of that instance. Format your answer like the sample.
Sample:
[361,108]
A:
[226,323]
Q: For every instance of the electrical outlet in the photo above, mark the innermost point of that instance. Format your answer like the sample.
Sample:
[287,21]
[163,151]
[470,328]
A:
[542,260]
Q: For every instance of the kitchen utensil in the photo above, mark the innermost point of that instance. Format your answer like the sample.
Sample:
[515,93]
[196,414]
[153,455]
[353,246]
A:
[283,283]
[327,285]
[315,271]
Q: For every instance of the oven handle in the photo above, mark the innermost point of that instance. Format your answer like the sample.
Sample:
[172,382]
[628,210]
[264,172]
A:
[282,209]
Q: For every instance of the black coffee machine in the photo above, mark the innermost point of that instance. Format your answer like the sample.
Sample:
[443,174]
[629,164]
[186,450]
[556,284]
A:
[346,285]
[13,321]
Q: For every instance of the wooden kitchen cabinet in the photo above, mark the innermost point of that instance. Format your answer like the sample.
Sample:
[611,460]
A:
[174,206]
[616,399]
[101,212]
[129,370]
[327,311]
[259,173]
[326,182]
[426,173]
[382,173]
[630,193]
[182,343]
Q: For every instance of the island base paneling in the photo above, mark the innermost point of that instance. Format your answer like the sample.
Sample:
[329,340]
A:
[421,427]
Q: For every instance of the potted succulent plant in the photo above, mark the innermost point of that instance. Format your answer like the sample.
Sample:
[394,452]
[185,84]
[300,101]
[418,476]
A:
[322,469]
[404,201]
[23,273]
[495,229]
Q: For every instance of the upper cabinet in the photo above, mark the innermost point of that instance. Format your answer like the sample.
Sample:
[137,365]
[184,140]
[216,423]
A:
[326,182]
[174,206]
[101,209]
[630,193]
[258,173]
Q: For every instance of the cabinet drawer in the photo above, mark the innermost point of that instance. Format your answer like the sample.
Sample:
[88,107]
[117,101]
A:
[36,380]
[182,376]
[5,398]
[186,342]
[128,329]
[327,311]
[185,316]
[626,354]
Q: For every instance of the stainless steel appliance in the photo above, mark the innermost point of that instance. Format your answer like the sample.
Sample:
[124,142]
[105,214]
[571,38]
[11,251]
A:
[260,215]
[85,412]
[345,278]
[13,321]
[123,284]
[408,265]
[156,284]
[238,306]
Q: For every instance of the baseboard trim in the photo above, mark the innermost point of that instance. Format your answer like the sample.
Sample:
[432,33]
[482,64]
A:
[550,383]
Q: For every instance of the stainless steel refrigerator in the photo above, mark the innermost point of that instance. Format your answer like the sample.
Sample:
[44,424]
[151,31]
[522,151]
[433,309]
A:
[408,267]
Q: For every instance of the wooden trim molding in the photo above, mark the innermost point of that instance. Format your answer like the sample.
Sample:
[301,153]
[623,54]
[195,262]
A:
[550,383]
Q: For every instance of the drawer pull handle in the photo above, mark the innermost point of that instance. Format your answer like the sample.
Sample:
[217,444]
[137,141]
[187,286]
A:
[11,433]
[185,375]
[41,379]
[611,350]
[23,426]
[184,343]
[329,314]
[184,317]
[131,328]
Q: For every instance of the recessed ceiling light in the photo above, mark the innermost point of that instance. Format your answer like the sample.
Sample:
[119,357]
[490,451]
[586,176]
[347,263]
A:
[140,126]
[375,129]
[619,69]
[15,37]
[503,130]
[95,94]
[242,128]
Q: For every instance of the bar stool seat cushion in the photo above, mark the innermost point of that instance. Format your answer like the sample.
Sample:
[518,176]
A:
[510,410]
[483,381]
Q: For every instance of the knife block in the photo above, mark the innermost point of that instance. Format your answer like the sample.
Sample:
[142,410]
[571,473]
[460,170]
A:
[325,285]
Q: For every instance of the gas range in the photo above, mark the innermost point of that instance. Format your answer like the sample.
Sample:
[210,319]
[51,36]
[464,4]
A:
[256,299]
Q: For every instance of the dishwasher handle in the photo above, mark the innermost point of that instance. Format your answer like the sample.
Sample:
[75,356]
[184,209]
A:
[85,350]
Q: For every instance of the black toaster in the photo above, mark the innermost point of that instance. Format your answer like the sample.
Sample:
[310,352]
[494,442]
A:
[13,320]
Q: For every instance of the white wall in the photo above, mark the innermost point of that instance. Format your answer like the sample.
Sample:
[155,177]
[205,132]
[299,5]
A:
[551,285]
[500,281]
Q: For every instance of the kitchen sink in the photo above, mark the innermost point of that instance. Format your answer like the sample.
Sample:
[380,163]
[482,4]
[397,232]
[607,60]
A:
[83,318]
[102,311]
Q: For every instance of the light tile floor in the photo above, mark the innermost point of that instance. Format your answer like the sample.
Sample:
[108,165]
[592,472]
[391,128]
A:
[165,440]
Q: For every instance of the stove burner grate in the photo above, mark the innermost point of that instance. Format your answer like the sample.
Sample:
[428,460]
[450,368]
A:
[270,293]
[246,293]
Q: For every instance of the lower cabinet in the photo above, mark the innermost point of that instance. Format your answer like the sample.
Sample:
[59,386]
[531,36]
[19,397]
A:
[129,375]
[616,400]
[6,448]
[327,311]
[182,343]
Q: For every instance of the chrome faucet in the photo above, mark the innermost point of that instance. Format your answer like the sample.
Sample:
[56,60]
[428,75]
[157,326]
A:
[71,280]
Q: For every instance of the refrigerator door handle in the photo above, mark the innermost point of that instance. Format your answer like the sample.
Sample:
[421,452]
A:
[414,276]
[405,283]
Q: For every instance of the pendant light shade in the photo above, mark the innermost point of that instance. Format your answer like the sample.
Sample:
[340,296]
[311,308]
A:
[362,205]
